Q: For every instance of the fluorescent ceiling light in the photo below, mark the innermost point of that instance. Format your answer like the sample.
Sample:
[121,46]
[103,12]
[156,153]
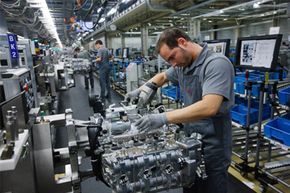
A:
[101,20]
[133,33]
[239,6]
[256,5]
[46,18]
[112,11]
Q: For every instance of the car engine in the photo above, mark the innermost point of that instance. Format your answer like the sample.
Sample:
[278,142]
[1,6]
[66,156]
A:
[131,161]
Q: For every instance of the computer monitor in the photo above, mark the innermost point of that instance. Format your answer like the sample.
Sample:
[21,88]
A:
[22,112]
[258,52]
[219,46]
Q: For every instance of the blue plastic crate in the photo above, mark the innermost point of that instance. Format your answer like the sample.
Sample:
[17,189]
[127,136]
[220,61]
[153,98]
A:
[239,114]
[286,116]
[171,91]
[279,130]
[284,96]
[240,100]
[239,84]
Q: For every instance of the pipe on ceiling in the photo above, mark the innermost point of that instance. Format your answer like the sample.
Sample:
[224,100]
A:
[158,7]
[193,7]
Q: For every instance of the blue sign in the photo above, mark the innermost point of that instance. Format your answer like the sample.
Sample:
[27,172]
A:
[13,46]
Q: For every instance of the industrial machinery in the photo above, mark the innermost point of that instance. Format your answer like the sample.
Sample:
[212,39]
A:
[133,71]
[129,161]
[64,76]
[80,65]
[123,158]
[45,154]
[5,61]
[17,80]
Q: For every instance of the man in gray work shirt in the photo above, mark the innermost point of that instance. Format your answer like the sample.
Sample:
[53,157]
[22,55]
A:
[206,83]
[103,57]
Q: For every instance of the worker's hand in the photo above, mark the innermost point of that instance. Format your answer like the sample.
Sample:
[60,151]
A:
[147,93]
[151,122]
[131,96]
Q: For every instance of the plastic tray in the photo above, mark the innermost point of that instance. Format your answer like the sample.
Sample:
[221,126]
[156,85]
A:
[284,96]
[279,130]
[239,114]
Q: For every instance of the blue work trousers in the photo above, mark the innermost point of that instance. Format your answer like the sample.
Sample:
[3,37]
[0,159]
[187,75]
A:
[105,85]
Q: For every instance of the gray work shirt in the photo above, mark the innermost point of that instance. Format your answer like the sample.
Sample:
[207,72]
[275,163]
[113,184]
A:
[210,73]
[105,55]
[85,55]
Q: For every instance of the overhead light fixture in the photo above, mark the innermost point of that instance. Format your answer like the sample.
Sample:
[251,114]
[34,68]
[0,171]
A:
[239,6]
[256,5]
[209,21]
[46,18]
[221,11]
[98,11]
[112,11]
[102,20]
[225,19]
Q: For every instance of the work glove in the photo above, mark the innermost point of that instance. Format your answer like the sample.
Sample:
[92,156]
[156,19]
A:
[151,122]
[148,91]
[131,96]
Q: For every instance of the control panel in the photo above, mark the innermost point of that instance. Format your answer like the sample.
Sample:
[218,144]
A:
[16,81]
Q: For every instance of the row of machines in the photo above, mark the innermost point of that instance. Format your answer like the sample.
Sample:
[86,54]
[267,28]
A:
[28,86]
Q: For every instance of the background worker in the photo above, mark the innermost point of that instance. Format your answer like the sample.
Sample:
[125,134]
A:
[103,58]
[206,83]
[88,76]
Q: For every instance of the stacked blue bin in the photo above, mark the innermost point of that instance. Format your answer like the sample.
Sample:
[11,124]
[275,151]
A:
[255,76]
[239,113]
[171,91]
[279,129]
[284,96]
[240,80]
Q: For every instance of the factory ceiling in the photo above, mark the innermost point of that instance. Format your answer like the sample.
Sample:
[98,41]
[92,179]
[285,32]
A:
[86,18]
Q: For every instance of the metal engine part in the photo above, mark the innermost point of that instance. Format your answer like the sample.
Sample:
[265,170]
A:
[143,162]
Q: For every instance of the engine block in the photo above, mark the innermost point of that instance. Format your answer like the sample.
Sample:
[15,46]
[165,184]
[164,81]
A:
[146,162]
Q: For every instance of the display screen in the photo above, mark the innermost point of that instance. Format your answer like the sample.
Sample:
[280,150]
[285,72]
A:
[219,46]
[258,52]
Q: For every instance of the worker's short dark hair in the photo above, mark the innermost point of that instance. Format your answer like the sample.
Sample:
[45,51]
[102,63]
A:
[169,37]
[77,49]
[99,42]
